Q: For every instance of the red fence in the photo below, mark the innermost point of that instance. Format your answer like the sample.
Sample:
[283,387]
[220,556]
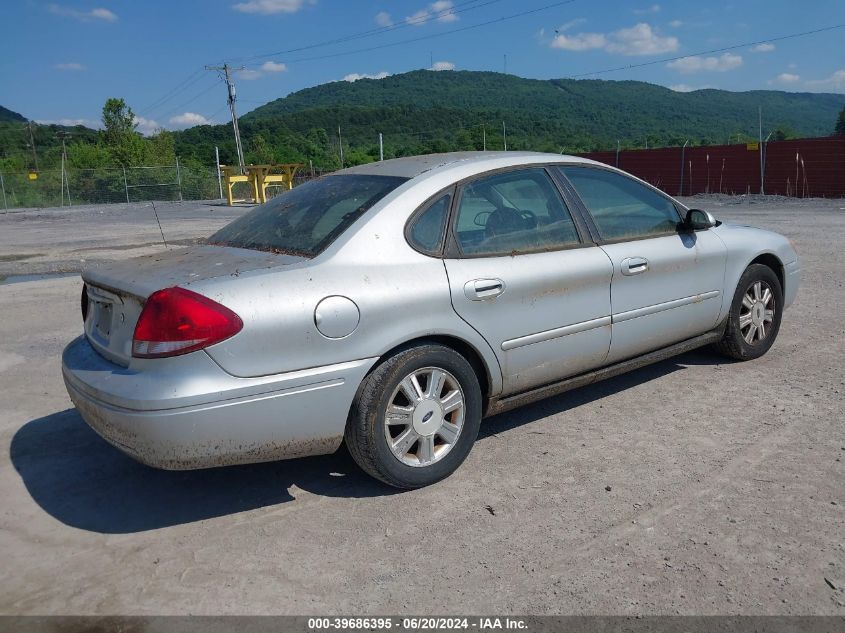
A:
[802,168]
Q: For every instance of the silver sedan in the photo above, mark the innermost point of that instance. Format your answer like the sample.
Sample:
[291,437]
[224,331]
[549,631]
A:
[394,305]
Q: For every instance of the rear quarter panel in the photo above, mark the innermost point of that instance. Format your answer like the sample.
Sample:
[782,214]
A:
[401,295]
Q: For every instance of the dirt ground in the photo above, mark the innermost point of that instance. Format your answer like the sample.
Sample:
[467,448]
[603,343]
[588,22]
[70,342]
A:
[694,486]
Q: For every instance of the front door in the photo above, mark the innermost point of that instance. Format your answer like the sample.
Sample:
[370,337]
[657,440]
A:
[667,284]
[523,276]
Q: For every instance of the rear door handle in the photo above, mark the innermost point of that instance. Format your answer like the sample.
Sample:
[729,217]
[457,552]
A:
[481,289]
[634,265]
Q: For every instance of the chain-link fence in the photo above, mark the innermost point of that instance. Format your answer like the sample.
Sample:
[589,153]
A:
[52,188]
[107,185]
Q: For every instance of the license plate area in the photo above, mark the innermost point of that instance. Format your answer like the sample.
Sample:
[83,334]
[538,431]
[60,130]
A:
[103,313]
[100,322]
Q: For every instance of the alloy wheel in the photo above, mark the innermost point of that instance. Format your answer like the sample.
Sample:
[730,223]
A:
[757,312]
[425,416]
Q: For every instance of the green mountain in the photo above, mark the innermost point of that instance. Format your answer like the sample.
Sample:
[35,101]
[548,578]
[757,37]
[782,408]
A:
[424,111]
[8,115]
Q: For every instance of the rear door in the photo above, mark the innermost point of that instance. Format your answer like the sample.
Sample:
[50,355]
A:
[523,273]
[667,284]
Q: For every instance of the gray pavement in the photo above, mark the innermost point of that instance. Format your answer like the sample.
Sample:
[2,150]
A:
[725,479]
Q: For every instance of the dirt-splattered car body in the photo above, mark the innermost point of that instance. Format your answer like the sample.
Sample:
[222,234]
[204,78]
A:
[533,320]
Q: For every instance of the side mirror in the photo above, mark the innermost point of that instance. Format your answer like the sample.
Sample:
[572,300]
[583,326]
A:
[697,219]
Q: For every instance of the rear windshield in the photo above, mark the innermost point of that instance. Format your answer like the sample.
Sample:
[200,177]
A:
[305,220]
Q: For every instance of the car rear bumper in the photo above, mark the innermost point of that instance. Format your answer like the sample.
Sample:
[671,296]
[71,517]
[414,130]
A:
[186,412]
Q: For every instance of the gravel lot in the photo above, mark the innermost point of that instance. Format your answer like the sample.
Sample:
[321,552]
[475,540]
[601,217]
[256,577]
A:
[726,482]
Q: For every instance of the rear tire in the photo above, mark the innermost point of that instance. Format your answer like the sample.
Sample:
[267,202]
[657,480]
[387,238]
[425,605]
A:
[755,314]
[415,417]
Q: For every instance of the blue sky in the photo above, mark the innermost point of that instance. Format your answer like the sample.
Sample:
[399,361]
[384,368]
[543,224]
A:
[61,60]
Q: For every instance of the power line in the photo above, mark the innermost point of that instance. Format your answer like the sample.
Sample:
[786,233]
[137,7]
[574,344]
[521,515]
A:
[378,31]
[433,35]
[710,52]
[179,88]
[190,101]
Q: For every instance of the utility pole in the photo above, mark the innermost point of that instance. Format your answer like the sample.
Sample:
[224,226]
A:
[65,184]
[380,146]
[760,144]
[227,71]
[340,143]
[219,178]
[484,137]
[32,145]
[683,151]
[505,135]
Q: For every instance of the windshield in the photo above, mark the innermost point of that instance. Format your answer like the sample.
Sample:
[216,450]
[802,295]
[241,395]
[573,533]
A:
[306,219]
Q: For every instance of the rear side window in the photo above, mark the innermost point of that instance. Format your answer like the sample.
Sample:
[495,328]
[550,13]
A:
[426,232]
[305,220]
[511,213]
[622,207]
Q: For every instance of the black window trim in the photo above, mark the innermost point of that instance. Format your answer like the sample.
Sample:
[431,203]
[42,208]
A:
[594,230]
[452,247]
[425,206]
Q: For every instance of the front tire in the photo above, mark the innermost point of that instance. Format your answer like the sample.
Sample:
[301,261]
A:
[415,417]
[754,318]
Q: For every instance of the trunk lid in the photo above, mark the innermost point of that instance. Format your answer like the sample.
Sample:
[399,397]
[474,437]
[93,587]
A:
[117,292]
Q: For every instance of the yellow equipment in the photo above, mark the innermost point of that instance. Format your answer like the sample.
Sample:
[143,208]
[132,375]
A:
[260,177]
[232,175]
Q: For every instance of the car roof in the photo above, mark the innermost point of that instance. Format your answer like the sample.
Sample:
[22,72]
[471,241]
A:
[412,166]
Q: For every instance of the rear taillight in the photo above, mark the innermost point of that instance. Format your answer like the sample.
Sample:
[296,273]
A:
[177,321]
[83,302]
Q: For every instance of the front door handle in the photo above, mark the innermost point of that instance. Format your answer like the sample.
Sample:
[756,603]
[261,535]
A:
[634,265]
[481,289]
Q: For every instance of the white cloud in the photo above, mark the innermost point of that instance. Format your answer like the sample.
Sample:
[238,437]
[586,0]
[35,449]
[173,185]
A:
[103,14]
[785,78]
[835,82]
[640,39]
[147,126]
[274,67]
[441,10]
[444,11]
[419,18]
[85,16]
[92,123]
[356,76]
[763,48]
[675,24]
[443,66]
[383,19]
[687,87]
[579,42]
[269,7]
[571,24]
[188,119]
[249,74]
[70,66]
[695,63]
[655,8]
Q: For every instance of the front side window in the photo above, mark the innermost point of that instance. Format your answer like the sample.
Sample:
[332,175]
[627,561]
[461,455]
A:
[305,220]
[622,207]
[513,212]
